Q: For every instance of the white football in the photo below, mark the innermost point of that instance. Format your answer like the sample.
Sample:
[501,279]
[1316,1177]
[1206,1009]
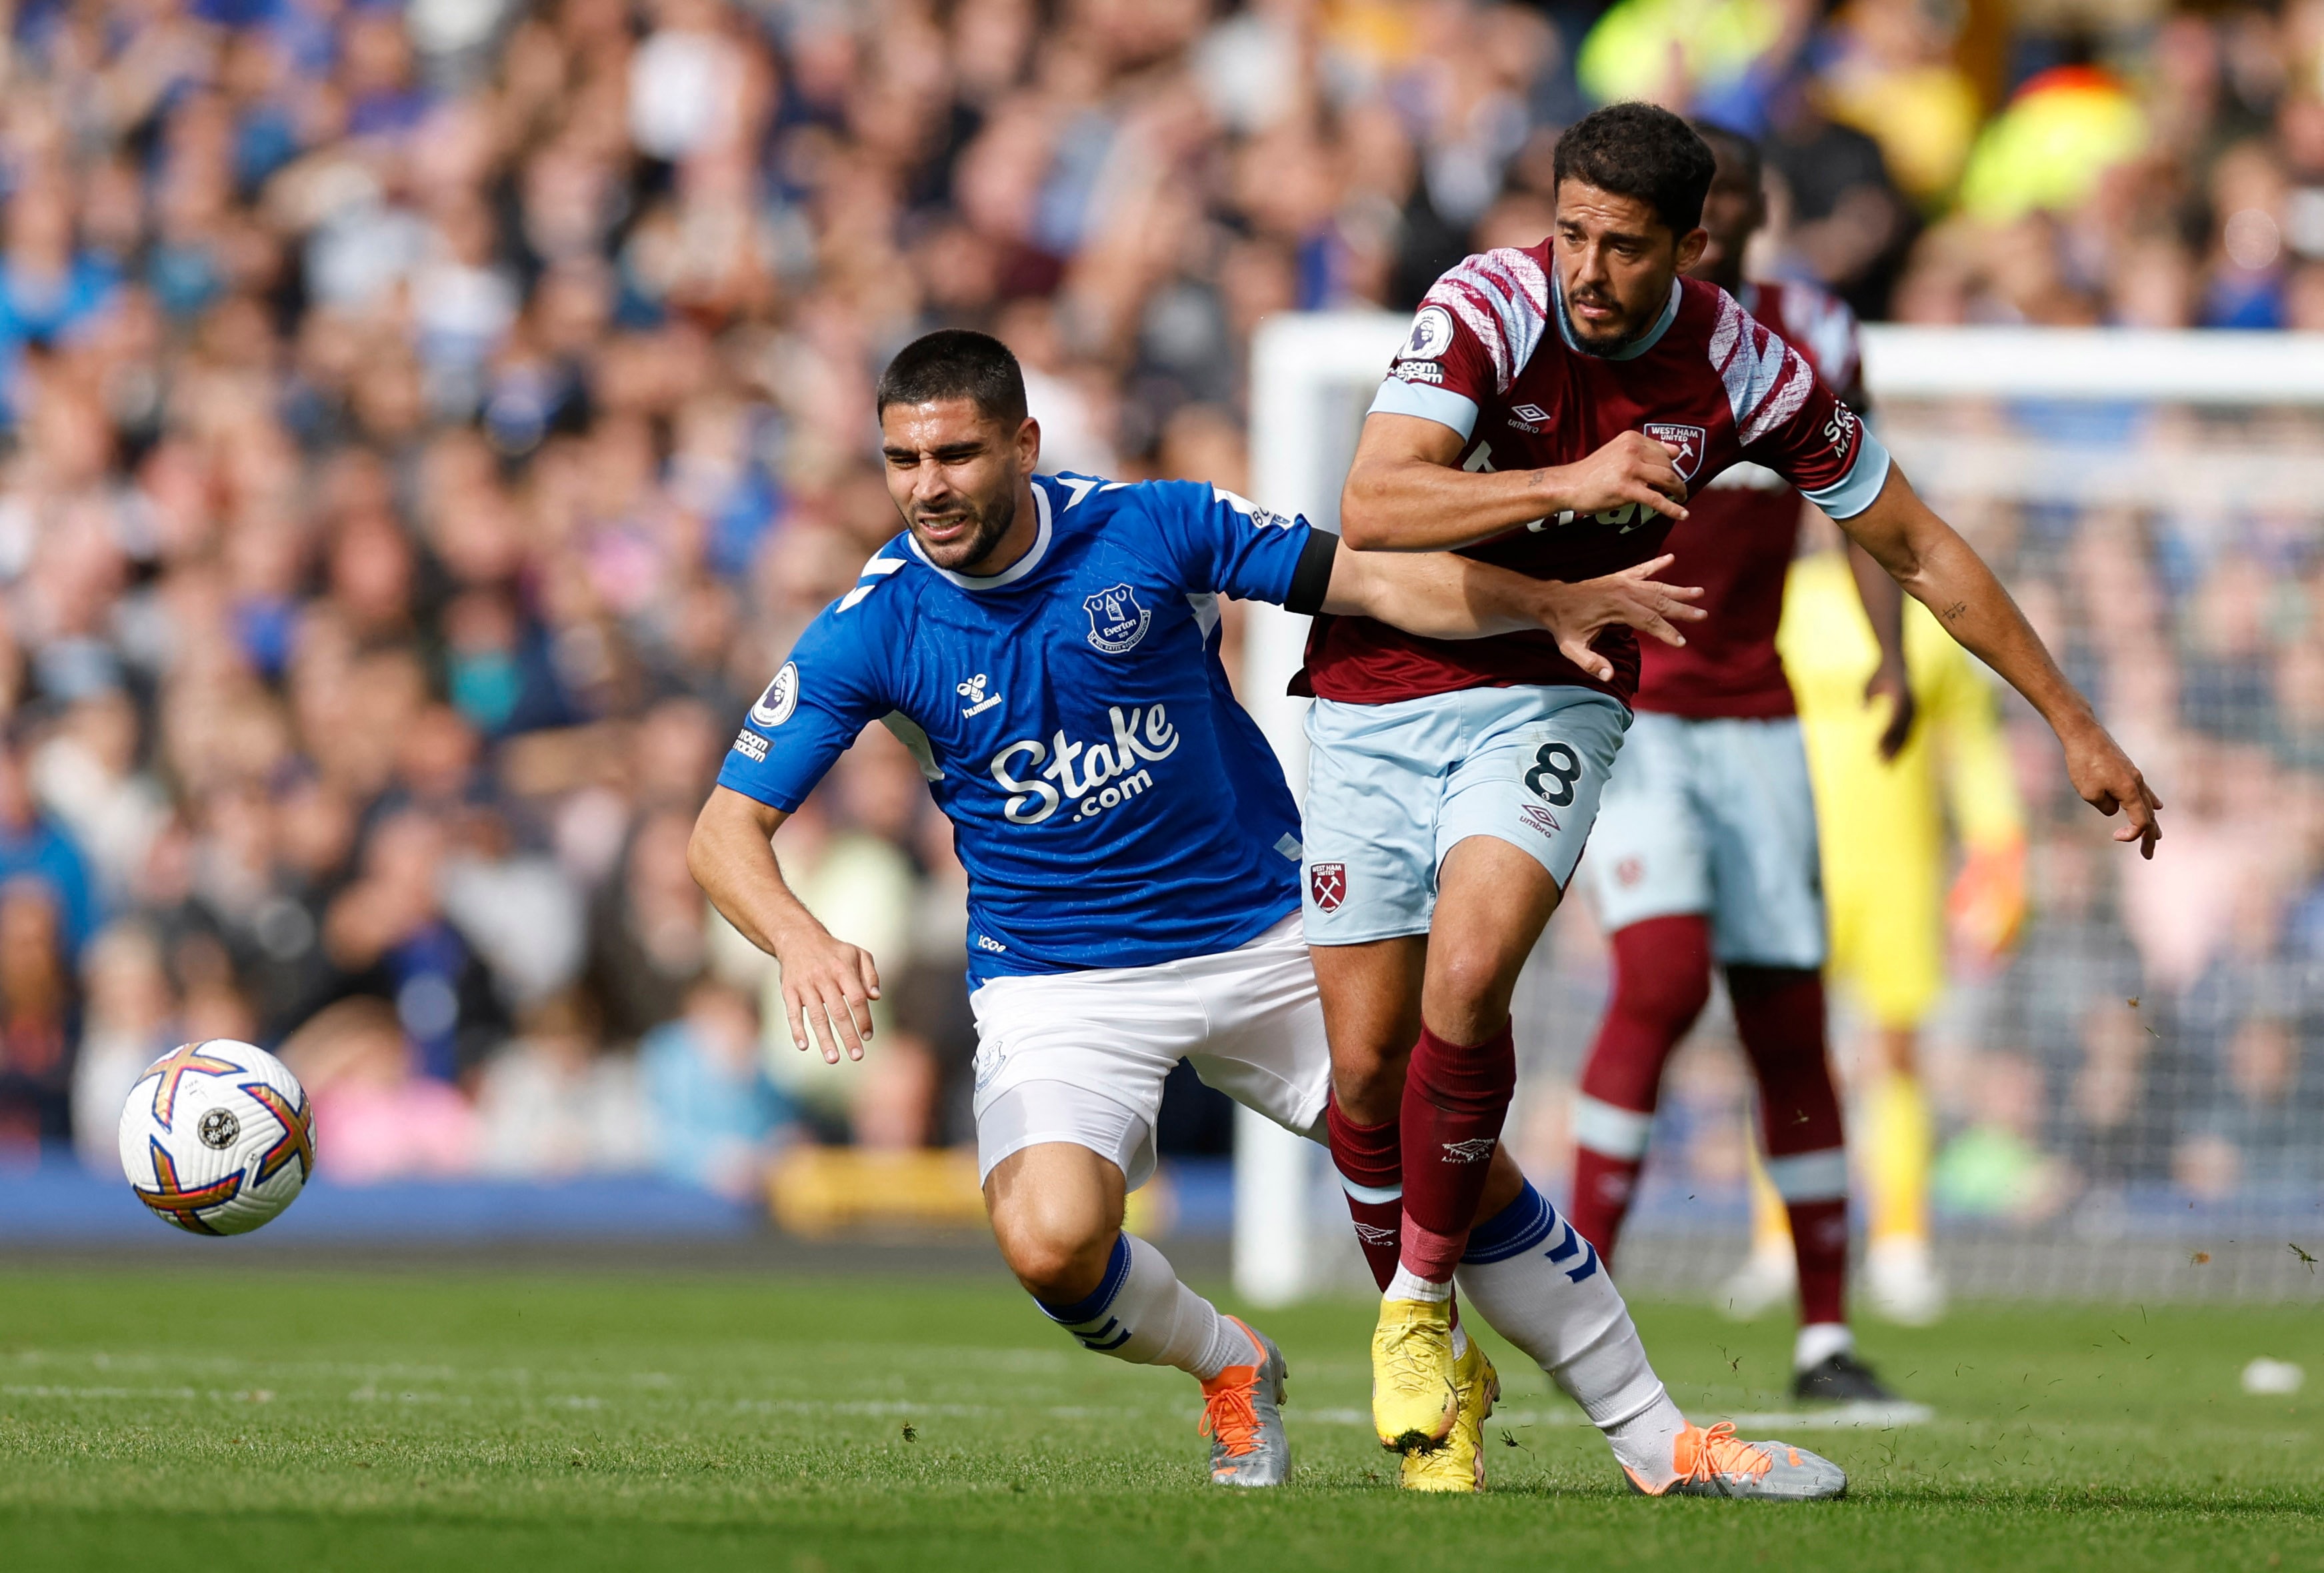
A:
[217,1137]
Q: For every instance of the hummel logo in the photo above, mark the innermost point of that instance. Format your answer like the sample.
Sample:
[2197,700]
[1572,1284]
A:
[973,692]
[1470,1151]
[1372,1234]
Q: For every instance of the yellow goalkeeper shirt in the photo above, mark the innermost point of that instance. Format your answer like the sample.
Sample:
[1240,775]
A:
[1881,822]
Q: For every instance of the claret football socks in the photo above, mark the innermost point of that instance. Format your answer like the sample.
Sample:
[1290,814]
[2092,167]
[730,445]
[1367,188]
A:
[1455,1097]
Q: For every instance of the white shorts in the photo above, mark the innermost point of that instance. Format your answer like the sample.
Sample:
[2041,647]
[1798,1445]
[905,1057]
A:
[1716,818]
[1392,789]
[1080,1057]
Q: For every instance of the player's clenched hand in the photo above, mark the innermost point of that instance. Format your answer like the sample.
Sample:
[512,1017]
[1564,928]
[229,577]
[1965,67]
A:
[1632,468]
[1577,613]
[829,985]
[2109,782]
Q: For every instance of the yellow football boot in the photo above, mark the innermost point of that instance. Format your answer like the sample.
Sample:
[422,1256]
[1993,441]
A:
[1460,1464]
[1414,1403]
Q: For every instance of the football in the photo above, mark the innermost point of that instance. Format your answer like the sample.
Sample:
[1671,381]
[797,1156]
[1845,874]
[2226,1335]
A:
[217,1137]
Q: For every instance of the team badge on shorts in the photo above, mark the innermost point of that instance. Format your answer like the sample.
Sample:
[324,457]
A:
[1117,623]
[1327,883]
[1687,440]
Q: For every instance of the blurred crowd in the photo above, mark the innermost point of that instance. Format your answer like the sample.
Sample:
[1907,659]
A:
[2152,1039]
[426,426]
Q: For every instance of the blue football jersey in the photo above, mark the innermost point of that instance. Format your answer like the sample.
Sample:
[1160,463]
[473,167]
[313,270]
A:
[1111,803]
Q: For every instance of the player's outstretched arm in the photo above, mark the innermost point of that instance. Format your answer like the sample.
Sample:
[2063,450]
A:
[1943,571]
[1406,492]
[828,984]
[1439,595]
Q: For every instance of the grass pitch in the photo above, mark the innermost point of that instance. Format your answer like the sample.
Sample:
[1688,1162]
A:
[450,1421]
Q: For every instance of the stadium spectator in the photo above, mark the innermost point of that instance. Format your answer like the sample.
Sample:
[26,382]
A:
[427,428]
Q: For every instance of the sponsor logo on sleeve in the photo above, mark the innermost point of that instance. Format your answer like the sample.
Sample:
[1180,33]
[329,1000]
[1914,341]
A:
[774,706]
[1839,431]
[1687,440]
[1117,621]
[750,745]
[1429,372]
[1327,884]
[1431,337]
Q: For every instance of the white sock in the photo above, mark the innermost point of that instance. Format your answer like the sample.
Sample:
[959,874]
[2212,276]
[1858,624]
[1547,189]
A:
[1140,1313]
[1409,1284]
[1541,1286]
[1819,1341]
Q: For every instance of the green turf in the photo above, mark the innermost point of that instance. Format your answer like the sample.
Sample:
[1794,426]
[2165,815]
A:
[449,1422]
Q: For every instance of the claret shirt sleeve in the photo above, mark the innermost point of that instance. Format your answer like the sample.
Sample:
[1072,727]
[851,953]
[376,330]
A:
[1787,419]
[833,685]
[1226,544]
[1476,328]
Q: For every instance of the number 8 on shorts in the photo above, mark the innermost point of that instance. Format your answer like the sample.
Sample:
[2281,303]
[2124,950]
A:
[1392,789]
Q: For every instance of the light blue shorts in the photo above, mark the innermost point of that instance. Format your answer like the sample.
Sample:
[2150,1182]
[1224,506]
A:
[1715,817]
[1392,789]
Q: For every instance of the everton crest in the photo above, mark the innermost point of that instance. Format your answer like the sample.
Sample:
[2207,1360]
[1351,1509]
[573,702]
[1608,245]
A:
[1117,623]
[1687,440]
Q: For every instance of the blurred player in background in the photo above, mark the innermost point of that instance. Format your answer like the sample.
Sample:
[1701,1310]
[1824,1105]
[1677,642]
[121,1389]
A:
[1550,411]
[1706,851]
[1882,820]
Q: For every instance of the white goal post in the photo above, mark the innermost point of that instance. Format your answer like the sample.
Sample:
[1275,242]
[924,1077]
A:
[1313,373]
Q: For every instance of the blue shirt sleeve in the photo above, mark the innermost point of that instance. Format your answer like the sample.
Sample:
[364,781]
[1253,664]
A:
[1226,543]
[832,686]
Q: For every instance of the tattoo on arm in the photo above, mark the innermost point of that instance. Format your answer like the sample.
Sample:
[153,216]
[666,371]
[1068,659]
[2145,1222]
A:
[1954,612]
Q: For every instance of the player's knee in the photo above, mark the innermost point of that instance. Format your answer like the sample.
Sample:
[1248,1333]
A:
[1667,997]
[1467,997]
[1056,1257]
[1368,1079]
[1662,972]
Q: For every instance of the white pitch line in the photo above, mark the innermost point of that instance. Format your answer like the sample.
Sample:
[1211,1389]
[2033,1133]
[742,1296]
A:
[1878,1417]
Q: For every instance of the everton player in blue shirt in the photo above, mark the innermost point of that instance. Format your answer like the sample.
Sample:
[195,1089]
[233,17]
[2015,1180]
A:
[1047,647]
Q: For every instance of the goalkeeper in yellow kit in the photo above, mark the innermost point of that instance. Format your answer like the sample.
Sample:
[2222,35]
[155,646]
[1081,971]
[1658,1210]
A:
[1882,826]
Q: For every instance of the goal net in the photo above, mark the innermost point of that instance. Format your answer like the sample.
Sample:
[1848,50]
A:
[2129,1098]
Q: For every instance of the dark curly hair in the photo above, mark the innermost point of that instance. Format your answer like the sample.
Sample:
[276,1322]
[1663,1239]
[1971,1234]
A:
[1639,151]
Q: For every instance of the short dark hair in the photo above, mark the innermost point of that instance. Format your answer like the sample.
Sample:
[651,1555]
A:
[1640,150]
[957,363]
[1734,144]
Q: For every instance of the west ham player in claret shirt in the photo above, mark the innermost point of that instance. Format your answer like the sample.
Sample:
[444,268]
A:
[1705,847]
[1549,413]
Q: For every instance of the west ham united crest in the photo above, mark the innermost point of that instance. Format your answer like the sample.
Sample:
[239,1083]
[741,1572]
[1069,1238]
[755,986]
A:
[1687,440]
[1328,884]
[1117,623]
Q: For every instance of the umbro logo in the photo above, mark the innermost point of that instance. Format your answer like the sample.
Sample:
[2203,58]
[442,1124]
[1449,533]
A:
[1470,1151]
[1372,1234]
[1528,418]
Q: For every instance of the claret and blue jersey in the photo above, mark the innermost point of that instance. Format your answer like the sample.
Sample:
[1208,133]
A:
[1112,803]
